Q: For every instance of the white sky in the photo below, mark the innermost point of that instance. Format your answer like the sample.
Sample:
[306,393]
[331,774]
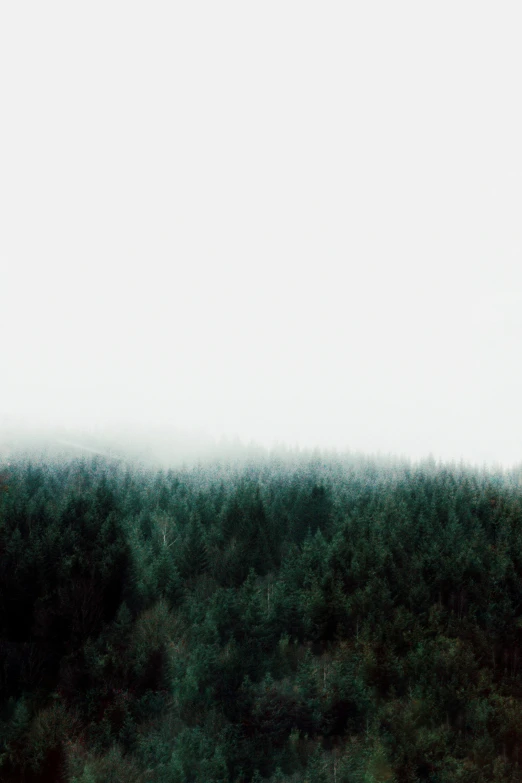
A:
[288,221]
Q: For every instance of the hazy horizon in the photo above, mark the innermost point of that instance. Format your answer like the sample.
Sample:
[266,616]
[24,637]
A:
[291,224]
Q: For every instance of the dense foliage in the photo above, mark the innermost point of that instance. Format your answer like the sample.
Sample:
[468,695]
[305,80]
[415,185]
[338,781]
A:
[296,619]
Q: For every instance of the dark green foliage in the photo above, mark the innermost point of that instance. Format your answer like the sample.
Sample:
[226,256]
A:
[298,619]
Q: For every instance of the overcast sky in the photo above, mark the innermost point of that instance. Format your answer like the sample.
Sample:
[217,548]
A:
[288,221]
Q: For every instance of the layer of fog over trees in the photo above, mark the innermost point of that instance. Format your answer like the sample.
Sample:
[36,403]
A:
[168,447]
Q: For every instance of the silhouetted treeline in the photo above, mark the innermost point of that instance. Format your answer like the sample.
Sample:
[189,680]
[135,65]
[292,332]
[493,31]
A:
[306,618]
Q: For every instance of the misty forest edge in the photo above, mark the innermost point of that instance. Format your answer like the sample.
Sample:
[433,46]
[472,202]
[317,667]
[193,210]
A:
[299,618]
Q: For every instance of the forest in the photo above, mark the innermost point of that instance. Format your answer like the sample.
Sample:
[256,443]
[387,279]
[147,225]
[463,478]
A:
[304,618]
